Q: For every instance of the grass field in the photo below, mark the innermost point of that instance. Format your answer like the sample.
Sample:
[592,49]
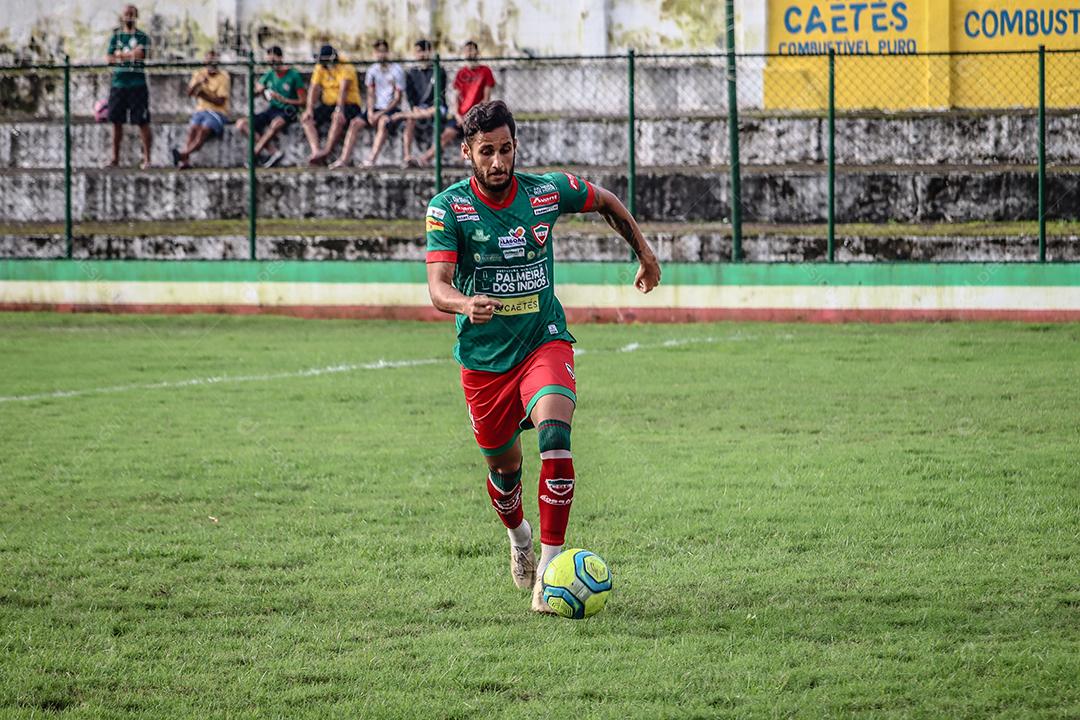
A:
[806,521]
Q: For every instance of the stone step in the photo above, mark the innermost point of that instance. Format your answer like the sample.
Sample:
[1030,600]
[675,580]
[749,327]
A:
[771,194]
[576,241]
[953,139]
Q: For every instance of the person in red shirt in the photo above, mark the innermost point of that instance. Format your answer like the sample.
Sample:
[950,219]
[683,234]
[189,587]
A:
[472,86]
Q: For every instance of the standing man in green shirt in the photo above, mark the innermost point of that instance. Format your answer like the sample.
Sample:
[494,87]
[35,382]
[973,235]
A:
[129,99]
[284,87]
[490,262]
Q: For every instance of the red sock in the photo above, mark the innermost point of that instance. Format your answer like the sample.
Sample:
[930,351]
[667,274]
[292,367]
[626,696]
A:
[506,502]
[556,494]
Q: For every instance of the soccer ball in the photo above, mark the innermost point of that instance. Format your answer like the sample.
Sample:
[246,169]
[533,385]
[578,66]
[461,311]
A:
[577,583]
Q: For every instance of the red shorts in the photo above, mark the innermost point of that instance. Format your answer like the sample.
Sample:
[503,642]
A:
[500,403]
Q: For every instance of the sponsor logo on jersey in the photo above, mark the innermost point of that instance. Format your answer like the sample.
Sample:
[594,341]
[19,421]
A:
[520,306]
[572,180]
[531,255]
[553,329]
[545,188]
[511,281]
[433,225]
[515,239]
[435,212]
[514,253]
[479,236]
[460,199]
[540,232]
[462,207]
[570,370]
[544,199]
[467,218]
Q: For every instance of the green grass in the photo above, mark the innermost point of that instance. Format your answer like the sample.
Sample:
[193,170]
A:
[803,521]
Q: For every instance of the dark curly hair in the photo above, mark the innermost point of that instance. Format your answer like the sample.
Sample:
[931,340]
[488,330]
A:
[485,117]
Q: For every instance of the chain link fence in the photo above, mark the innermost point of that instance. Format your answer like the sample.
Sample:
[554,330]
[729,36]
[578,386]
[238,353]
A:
[830,148]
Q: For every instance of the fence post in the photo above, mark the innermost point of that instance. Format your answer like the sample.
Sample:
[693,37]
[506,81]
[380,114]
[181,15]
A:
[832,155]
[252,198]
[733,136]
[67,158]
[1042,153]
[631,162]
[436,138]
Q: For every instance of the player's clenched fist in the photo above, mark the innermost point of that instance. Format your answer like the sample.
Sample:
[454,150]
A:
[481,308]
[648,274]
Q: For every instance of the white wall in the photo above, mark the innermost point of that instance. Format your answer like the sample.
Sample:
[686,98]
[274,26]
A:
[184,28]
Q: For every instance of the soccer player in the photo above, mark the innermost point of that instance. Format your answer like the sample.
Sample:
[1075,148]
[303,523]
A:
[490,262]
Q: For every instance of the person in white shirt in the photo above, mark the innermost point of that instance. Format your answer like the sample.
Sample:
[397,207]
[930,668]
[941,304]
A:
[385,83]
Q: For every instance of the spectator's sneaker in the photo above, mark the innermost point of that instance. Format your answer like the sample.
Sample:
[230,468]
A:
[274,159]
[176,157]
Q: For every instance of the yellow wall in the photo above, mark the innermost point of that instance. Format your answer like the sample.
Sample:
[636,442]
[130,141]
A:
[873,40]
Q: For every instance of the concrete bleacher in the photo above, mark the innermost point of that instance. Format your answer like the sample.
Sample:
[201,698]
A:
[954,167]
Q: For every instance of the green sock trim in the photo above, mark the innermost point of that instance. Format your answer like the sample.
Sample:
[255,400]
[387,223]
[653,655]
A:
[554,435]
[506,483]
[546,390]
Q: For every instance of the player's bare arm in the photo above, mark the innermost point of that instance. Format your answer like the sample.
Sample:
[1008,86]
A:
[622,222]
[445,297]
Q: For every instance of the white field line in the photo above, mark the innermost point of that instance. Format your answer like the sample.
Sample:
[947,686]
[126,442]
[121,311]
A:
[330,370]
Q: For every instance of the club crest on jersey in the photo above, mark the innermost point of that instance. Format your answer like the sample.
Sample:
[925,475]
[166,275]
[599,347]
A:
[540,232]
[572,180]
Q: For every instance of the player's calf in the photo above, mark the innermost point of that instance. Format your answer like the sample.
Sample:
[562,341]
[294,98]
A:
[504,489]
[556,490]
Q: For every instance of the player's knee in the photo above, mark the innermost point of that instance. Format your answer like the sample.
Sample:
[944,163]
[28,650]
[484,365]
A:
[504,479]
[554,439]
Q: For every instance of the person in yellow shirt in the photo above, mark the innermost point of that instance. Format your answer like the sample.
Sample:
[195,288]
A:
[334,99]
[210,87]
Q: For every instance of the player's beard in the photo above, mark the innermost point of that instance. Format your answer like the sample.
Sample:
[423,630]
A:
[494,189]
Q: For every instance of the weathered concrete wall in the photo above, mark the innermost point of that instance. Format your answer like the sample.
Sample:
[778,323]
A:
[571,245]
[934,139]
[793,195]
[594,88]
[182,28]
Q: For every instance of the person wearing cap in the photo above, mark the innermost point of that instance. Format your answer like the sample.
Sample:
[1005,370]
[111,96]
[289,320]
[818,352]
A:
[385,82]
[210,88]
[284,87]
[334,99]
[420,91]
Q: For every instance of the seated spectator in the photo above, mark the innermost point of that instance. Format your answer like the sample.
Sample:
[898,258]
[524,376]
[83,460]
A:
[420,92]
[334,99]
[385,83]
[284,87]
[210,88]
[472,85]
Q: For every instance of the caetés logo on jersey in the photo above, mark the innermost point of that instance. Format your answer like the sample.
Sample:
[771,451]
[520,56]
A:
[540,232]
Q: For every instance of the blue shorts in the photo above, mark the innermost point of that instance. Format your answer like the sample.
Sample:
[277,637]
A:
[210,119]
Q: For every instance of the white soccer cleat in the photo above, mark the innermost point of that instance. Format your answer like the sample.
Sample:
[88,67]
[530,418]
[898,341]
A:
[522,566]
[539,605]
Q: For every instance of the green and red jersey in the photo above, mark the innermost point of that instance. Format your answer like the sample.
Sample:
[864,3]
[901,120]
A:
[505,251]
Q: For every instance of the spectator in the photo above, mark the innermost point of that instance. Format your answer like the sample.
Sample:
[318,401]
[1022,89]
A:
[385,83]
[284,87]
[472,85]
[420,91]
[210,88]
[129,99]
[334,98]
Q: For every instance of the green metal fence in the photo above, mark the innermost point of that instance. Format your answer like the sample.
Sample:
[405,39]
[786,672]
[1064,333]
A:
[675,109]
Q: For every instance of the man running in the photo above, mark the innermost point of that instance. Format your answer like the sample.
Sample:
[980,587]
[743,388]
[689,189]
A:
[490,262]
